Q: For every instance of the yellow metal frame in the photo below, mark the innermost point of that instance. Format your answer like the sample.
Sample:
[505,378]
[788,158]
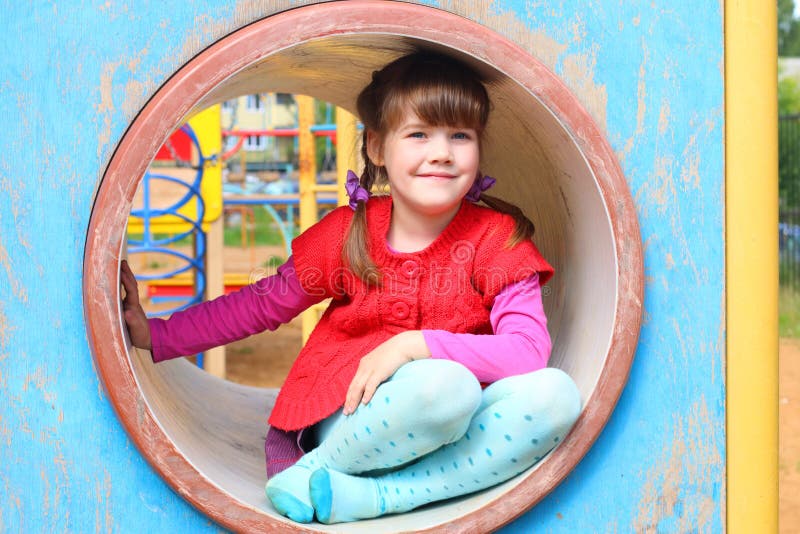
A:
[751,252]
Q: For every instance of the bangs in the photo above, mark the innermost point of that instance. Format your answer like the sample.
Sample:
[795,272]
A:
[440,95]
[442,106]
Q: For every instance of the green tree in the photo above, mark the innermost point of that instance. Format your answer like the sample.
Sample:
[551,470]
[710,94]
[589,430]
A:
[788,30]
[789,141]
[325,113]
[788,95]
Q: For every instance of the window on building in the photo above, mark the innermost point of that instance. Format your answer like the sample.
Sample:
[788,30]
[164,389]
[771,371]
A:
[255,143]
[254,102]
[229,105]
[284,99]
[230,143]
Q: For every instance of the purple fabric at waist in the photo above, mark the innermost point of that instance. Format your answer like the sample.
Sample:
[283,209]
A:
[283,448]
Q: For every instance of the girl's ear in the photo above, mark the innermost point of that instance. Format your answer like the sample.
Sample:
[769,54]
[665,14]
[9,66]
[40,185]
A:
[374,148]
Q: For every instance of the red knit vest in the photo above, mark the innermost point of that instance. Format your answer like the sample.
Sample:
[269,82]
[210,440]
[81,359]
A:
[450,285]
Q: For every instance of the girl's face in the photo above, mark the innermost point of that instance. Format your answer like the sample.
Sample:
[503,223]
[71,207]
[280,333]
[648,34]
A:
[430,168]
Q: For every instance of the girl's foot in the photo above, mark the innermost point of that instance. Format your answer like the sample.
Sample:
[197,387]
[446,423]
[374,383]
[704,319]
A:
[288,490]
[337,497]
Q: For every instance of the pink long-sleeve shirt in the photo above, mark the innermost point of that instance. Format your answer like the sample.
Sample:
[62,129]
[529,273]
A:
[520,344]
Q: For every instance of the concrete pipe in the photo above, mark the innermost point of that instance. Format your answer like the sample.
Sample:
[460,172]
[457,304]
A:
[205,435]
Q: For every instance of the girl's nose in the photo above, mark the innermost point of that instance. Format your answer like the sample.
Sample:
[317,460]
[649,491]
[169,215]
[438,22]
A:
[439,150]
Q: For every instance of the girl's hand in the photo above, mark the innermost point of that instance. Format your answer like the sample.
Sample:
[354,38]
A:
[132,310]
[381,363]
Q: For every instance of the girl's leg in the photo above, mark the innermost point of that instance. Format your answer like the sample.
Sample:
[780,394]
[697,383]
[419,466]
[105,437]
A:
[520,419]
[424,405]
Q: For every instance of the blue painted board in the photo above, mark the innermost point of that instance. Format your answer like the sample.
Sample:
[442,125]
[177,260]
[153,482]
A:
[75,75]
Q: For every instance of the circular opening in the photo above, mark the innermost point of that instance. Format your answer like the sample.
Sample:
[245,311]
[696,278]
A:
[550,159]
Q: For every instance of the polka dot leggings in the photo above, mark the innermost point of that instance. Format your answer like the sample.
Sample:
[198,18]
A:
[428,434]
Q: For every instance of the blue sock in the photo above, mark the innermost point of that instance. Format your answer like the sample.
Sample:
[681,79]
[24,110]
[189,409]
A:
[288,490]
[521,419]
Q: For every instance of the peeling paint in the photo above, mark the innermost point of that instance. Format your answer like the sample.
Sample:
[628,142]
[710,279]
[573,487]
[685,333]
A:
[104,521]
[40,381]
[62,481]
[5,329]
[641,102]
[135,92]
[579,75]
[43,475]
[663,117]
[133,99]
[664,186]
[105,108]
[578,69]
[690,171]
[17,288]
[5,431]
[669,500]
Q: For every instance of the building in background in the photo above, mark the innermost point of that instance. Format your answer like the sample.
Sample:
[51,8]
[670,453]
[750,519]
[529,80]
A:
[261,111]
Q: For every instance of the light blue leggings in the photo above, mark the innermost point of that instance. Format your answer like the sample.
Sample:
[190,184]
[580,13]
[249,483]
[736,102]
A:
[428,434]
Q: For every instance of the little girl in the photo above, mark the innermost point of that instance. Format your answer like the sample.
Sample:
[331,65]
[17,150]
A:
[432,297]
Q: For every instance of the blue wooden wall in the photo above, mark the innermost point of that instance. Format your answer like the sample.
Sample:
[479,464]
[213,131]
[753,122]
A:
[75,74]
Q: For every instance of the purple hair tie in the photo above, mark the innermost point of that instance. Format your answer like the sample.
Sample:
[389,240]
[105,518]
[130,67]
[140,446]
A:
[354,190]
[481,184]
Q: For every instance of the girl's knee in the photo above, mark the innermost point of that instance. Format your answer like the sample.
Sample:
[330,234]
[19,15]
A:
[563,393]
[549,391]
[444,388]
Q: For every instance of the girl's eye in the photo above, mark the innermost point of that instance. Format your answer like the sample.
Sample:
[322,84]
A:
[417,135]
[461,135]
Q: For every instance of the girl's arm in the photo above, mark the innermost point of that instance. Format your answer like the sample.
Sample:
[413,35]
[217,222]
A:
[520,344]
[264,305]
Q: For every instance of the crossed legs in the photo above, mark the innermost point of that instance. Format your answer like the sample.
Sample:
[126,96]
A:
[433,436]
[424,405]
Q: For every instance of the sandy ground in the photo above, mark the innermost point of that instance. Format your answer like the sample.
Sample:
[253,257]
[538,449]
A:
[789,436]
[264,359]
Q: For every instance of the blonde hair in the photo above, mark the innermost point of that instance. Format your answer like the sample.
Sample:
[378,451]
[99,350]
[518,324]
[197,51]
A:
[441,91]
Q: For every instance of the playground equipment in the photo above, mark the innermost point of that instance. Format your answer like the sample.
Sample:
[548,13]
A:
[195,213]
[311,193]
[691,443]
[175,225]
[186,216]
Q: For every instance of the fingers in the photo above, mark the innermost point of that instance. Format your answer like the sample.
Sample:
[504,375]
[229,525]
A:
[133,313]
[369,390]
[129,283]
[362,389]
[354,393]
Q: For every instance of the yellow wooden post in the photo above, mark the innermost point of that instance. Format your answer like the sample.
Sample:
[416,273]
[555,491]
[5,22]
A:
[207,128]
[751,252]
[307,183]
[307,162]
[346,150]
[214,358]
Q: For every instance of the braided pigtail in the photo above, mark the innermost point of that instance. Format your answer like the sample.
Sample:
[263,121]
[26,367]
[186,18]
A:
[356,246]
[523,227]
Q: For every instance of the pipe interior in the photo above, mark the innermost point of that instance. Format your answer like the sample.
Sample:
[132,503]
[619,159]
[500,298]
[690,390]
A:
[220,426]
